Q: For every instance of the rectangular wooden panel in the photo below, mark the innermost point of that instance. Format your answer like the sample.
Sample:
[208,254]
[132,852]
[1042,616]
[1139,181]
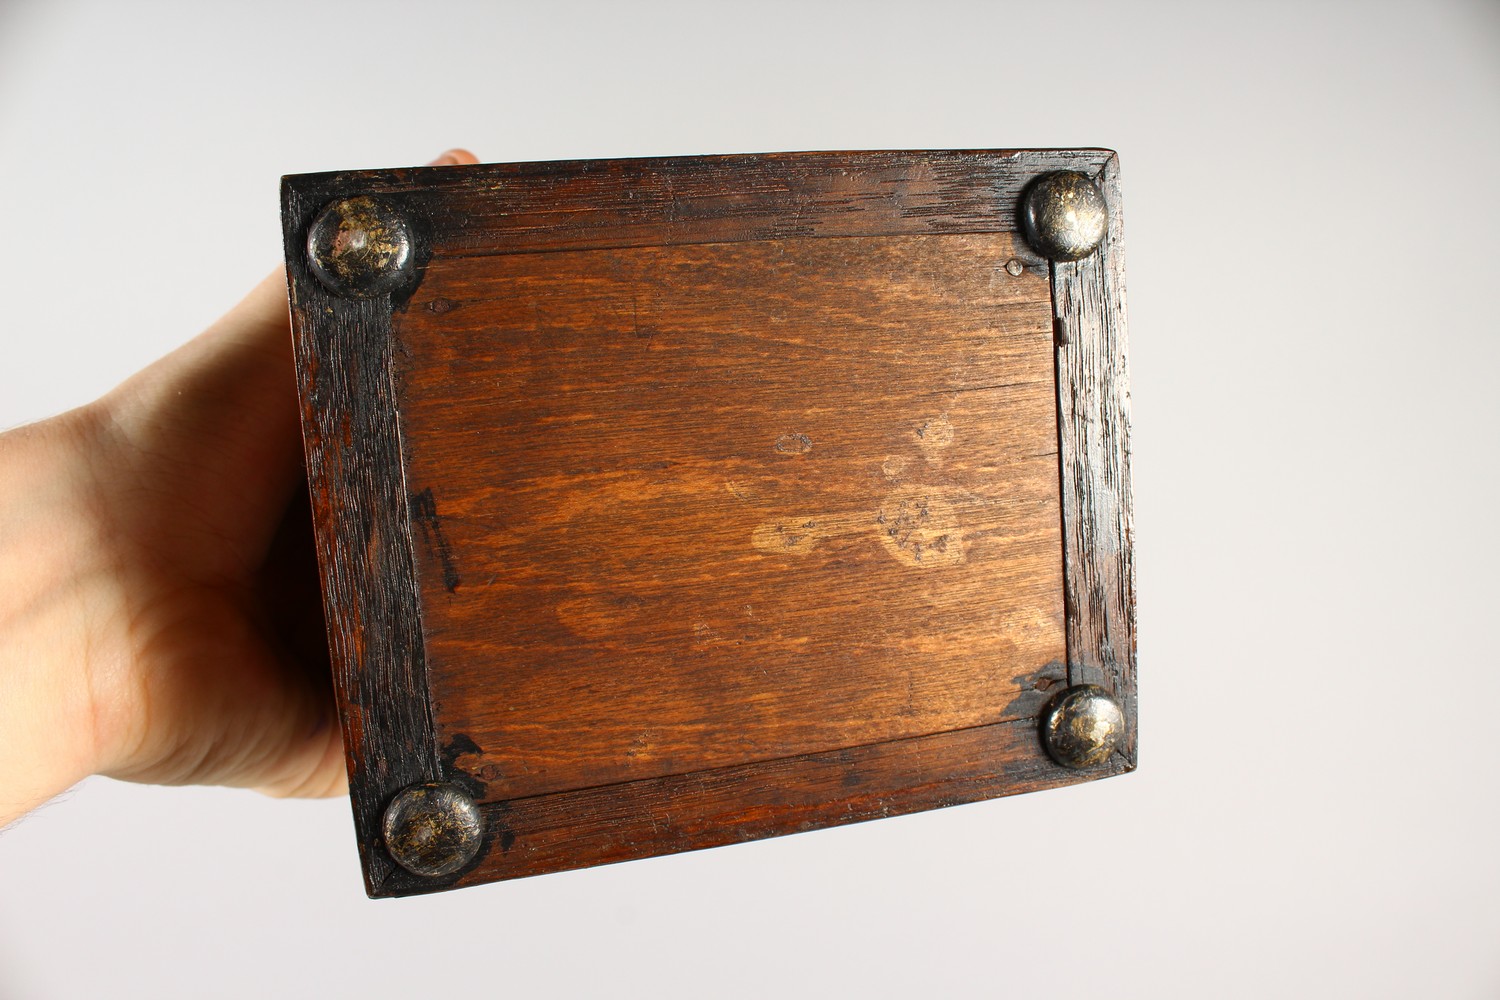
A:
[505,208]
[691,507]
[1093,396]
[672,502]
[683,812]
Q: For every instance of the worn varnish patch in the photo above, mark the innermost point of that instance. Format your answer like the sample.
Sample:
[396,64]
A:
[690,507]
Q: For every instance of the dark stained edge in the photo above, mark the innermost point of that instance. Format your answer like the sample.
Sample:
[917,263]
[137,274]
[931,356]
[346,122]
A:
[363,512]
[1093,393]
[363,530]
[499,208]
[730,805]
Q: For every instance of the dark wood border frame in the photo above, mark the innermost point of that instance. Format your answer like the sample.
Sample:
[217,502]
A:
[363,510]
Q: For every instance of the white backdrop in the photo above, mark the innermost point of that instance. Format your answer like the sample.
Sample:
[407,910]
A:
[1312,212]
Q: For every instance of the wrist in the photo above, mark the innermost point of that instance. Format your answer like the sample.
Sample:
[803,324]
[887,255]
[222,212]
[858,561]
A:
[52,733]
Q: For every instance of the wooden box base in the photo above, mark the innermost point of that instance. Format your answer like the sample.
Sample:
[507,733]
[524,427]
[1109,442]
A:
[663,504]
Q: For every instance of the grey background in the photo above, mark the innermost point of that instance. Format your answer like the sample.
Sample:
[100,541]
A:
[1311,200]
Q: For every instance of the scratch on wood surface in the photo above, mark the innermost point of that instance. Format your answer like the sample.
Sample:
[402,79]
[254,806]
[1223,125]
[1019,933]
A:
[424,513]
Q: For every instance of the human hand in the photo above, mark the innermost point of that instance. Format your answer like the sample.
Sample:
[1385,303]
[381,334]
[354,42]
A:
[160,618]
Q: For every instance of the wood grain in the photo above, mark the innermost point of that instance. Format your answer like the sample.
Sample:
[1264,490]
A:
[505,208]
[704,505]
[731,805]
[342,350]
[1093,392]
